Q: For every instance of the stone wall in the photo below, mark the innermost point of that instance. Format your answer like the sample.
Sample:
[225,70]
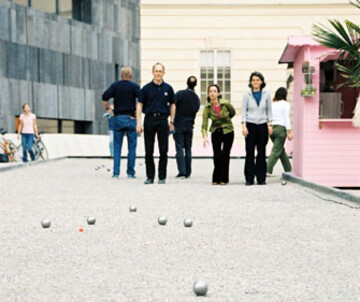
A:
[62,66]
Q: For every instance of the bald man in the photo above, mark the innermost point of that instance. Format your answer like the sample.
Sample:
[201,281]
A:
[125,94]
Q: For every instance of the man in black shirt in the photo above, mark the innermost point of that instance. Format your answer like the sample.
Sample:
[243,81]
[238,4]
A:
[187,105]
[157,103]
[125,94]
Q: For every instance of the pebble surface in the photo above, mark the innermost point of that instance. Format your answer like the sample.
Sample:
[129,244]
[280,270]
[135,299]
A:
[257,243]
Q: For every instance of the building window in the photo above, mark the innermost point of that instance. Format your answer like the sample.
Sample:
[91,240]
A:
[21,2]
[81,10]
[65,8]
[48,6]
[117,76]
[215,68]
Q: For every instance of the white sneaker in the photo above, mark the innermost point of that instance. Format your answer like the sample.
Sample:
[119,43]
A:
[269,175]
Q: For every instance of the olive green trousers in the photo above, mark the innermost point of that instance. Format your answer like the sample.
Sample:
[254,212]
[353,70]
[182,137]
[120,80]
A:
[278,151]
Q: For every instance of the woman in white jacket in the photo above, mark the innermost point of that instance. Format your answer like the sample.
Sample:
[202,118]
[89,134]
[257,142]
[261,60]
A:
[281,131]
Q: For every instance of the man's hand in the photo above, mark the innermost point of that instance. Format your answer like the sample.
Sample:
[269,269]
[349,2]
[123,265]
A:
[139,128]
[171,127]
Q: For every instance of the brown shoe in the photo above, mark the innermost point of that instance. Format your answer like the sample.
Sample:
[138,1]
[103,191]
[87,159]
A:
[215,183]
[223,183]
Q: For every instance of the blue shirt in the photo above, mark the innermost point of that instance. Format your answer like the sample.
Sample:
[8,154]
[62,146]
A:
[157,98]
[125,94]
[257,95]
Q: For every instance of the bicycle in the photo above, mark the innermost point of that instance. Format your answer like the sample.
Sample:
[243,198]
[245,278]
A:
[10,150]
[39,149]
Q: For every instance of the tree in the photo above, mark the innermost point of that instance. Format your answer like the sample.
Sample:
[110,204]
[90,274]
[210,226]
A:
[344,37]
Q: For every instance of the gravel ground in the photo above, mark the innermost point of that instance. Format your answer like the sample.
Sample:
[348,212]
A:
[258,243]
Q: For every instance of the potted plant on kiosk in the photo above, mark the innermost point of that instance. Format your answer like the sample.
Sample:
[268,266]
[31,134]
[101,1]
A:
[308,90]
[346,39]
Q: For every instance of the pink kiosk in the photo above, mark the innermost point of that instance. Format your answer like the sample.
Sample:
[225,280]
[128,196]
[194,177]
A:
[326,145]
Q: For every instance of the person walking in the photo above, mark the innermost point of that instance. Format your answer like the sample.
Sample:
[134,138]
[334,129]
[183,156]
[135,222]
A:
[281,131]
[220,112]
[187,105]
[157,103]
[27,129]
[256,127]
[125,93]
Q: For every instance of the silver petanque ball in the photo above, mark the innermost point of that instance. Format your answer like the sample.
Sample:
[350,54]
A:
[200,288]
[133,208]
[45,223]
[188,222]
[162,220]
[283,183]
[91,220]
[108,170]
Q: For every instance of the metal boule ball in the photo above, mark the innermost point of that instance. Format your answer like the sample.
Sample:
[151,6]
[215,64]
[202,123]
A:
[45,223]
[283,183]
[162,220]
[200,288]
[188,222]
[108,169]
[133,208]
[103,166]
[91,220]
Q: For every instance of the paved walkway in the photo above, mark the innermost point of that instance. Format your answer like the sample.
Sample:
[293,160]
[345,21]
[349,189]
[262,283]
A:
[259,243]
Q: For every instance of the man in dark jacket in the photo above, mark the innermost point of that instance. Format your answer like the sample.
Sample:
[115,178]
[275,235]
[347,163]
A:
[187,105]
[125,94]
[157,102]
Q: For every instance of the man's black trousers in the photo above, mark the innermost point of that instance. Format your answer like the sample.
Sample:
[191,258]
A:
[156,126]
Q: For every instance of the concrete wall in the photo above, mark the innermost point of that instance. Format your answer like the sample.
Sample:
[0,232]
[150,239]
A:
[62,66]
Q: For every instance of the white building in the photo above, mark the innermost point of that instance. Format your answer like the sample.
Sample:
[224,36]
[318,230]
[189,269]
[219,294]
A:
[224,41]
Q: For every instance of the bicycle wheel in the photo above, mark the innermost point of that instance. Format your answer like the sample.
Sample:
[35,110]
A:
[43,153]
[16,152]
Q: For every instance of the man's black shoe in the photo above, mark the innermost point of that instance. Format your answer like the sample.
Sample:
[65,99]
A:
[249,183]
[149,181]
[180,176]
[262,183]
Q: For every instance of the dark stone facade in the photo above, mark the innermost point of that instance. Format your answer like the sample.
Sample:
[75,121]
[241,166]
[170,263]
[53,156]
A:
[62,66]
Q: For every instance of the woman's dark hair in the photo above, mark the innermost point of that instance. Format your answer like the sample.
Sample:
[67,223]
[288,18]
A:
[218,89]
[259,75]
[280,94]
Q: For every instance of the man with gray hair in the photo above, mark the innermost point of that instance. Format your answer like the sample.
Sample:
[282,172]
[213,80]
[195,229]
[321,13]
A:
[125,93]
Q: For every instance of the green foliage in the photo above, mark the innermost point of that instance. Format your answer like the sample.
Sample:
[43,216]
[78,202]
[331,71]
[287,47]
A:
[344,37]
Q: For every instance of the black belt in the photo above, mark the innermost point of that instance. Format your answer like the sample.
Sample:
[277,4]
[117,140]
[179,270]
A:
[157,114]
